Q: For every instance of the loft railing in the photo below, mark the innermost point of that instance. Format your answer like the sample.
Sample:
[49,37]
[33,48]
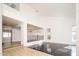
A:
[13,5]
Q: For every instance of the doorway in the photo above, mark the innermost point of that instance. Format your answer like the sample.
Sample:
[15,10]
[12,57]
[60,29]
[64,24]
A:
[11,32]
[7,39]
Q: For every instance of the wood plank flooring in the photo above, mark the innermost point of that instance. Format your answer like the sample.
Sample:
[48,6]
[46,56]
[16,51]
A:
[22,51]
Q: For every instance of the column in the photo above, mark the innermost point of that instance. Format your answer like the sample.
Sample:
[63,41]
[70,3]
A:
[24,34]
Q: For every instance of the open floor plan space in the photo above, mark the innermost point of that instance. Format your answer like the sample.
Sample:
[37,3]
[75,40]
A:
[37,29]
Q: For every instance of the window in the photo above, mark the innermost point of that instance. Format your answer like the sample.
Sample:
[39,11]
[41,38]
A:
[6,34]
[73,34]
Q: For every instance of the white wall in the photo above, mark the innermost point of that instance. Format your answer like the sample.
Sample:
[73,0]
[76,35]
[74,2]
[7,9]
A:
[31,16]
[60,25]
[0,30]
[26,15]
[16,35]
[62,30]
[77,29]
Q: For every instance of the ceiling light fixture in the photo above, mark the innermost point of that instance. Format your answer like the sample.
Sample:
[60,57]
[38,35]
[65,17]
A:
[37,10]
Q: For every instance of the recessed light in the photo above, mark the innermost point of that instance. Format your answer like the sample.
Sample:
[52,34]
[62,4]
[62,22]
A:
[37,10]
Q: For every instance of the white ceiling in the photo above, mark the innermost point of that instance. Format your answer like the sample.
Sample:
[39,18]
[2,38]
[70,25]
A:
[54,9]
[7,21]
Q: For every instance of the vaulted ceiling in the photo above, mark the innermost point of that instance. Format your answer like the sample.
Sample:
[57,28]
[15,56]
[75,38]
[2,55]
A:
[54,9]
